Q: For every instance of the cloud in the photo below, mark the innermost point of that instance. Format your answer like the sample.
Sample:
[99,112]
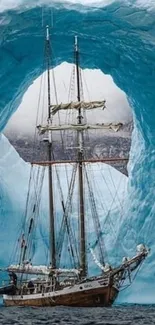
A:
[96,86]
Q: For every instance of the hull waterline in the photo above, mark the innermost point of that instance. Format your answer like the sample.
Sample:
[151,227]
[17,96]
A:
[101,297]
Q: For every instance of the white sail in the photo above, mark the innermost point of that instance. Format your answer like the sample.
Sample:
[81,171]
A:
[96,260]
[39,269]
[77,105]
[29,269]
[79,127]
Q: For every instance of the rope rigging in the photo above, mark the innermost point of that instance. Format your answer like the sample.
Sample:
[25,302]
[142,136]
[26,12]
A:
[37,177]
[64,219]
[70,200]
[65,225]
[96,221]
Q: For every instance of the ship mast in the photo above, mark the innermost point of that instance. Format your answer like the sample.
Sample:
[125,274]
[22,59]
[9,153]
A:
[49,149]
[80,172]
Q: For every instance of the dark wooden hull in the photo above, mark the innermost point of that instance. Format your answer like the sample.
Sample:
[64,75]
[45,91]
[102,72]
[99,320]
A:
[9,289]
[98,297]
[92,292]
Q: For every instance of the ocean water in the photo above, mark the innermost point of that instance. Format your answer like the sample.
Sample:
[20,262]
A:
[117,315]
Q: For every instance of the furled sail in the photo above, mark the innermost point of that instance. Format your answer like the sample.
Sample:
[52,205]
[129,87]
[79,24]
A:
[79,127]
[77,105]
[39,269]
[28,269]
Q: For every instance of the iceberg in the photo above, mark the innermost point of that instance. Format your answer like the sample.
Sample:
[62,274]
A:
[116,37]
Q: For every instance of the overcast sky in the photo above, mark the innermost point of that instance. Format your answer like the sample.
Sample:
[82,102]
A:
[96,86]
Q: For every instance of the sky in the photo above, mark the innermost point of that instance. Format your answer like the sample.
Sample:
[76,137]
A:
[96,86]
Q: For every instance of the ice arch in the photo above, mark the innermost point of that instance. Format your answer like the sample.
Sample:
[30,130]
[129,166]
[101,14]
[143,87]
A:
[118,39]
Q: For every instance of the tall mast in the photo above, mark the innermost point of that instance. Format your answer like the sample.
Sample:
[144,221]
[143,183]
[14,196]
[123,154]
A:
[50,176]
[80,172]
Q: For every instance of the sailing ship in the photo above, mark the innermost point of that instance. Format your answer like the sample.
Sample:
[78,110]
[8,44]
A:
[52,284]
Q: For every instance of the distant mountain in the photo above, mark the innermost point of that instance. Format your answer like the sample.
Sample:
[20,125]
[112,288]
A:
[105,145]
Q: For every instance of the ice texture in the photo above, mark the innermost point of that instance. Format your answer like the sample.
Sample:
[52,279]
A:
[118,38]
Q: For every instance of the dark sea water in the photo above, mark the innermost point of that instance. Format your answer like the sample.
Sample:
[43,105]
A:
[121,315]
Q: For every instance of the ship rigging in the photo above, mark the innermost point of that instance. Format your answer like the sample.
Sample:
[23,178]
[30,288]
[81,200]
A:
[57,283]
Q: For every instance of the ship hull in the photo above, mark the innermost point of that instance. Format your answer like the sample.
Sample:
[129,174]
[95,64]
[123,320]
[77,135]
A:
[102,296]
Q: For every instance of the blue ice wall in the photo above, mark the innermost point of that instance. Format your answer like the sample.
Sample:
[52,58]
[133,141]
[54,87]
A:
[118,38]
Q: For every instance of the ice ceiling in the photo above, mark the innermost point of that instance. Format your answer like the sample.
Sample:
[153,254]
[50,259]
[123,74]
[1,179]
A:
[117,37]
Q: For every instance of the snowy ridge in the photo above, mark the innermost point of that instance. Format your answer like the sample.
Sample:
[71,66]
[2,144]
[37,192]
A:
[11,4]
